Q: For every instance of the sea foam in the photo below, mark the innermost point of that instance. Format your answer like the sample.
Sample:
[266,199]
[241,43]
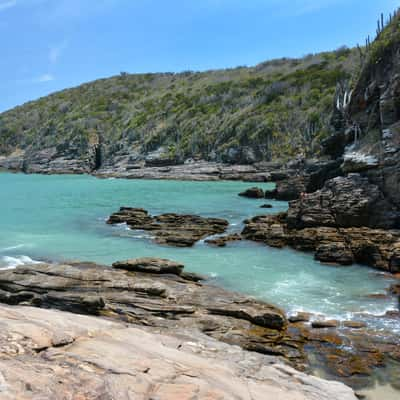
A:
[8,262]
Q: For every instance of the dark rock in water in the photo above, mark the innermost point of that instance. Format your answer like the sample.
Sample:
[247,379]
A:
[266,206]
[150,265]
[222,241]
[300,317]
[343,202]
[253,193]
[270,194]
[170,229]
[354,324]
[325,324]
[395,289]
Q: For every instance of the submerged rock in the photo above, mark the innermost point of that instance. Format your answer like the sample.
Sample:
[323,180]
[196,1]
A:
[170,229]
[266,206]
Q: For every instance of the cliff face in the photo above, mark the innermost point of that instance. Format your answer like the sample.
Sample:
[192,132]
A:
[278,109]
[367,131]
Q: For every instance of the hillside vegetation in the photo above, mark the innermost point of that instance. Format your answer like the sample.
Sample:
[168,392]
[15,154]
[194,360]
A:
[277,109]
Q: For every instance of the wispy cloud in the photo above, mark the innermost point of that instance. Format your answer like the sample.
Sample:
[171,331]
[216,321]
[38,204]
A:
[6,4]
[44,78]
[56,52]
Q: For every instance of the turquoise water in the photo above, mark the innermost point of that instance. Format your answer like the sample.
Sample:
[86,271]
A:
[63,218]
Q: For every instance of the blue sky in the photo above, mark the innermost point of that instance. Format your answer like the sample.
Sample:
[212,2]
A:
[48,45]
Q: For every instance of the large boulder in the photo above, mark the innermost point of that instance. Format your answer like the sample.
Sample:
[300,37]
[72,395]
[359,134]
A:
[253,193]
[344,202]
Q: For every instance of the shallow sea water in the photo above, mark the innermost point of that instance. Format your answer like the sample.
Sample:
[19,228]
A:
[63,218]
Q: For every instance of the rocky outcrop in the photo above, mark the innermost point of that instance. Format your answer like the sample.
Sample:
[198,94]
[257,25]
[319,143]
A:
[366,132]
[151,265]
[170,229]
[253,193]
[56,355]
[288,189]
[155,293]
[154,296]
[342,203]
[222,241]
[374,247]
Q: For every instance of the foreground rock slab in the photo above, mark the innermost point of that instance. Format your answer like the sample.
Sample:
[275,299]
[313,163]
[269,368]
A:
[154,293]
[170,229]
[55,355]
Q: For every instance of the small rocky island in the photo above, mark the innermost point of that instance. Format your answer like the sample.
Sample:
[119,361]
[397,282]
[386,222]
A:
[170,229]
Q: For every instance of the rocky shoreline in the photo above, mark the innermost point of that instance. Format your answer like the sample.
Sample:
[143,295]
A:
[57,355]
[159,296]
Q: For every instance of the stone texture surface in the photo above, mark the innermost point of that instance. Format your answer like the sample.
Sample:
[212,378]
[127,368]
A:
[170,229]
[160,297]
[374,247]
[344,202]
[55,355]
[174,303]
[253,193]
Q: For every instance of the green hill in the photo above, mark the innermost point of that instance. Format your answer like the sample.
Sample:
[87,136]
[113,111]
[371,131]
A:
[275,110]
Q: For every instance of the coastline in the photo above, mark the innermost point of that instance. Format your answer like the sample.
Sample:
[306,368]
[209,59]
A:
[163,299]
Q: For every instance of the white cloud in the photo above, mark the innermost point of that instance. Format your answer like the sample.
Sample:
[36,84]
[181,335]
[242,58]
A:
[44,78]
[6,4]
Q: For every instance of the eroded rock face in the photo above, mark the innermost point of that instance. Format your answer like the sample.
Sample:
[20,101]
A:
[154,293]
[170,229]
[375,247]
[55,355]
[344,202]
[288,189]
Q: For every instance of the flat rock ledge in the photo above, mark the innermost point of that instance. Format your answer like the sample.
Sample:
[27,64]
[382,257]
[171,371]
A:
[50,354]
[156,293]
[170,229]
[378,248]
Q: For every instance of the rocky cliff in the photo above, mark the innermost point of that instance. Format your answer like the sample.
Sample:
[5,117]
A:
[367,130]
